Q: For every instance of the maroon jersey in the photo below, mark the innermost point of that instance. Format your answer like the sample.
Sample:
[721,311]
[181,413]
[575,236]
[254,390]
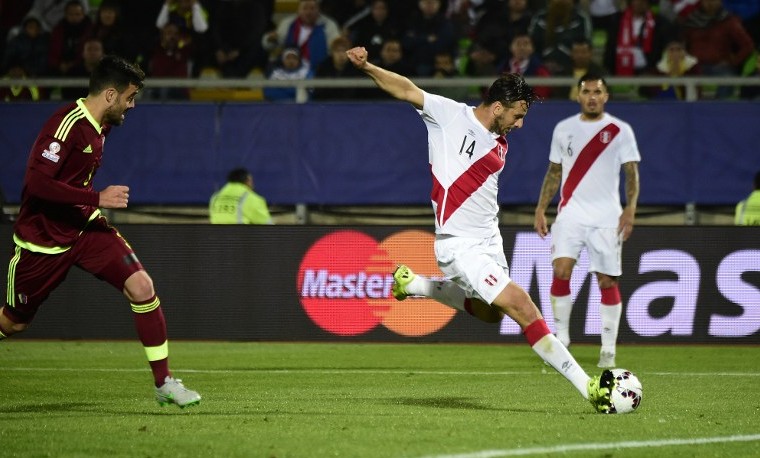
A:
[58,200]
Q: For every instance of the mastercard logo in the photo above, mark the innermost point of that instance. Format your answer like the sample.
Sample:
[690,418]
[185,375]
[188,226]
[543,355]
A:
[345,279]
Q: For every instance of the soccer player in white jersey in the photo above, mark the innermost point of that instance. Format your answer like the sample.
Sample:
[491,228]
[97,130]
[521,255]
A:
[467,149]
[587,152]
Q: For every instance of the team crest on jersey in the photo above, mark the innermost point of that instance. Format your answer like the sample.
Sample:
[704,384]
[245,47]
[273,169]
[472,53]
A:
[501,150]
[51,153]
[605,136]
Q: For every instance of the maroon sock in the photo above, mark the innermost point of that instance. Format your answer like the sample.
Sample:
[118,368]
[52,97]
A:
[151,328]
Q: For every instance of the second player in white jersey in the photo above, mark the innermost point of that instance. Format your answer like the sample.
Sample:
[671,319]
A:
[587,153]
[591,154]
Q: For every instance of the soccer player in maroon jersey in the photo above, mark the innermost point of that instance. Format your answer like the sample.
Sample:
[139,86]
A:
[60,225]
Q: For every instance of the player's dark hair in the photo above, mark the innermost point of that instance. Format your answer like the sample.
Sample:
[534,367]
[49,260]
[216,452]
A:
[508,89]
[592,76]
[238,175]
[113,71]
[757,180]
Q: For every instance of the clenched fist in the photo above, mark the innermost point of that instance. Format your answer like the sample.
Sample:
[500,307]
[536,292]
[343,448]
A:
[357,56]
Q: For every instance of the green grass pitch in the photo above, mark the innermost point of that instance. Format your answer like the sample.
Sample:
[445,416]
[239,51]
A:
[292,400]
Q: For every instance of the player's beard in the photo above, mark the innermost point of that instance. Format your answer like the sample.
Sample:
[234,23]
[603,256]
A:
[113,116]
[593,115]
[498,128]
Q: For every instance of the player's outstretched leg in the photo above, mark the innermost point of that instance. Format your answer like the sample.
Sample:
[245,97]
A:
[406,283]
[174,392]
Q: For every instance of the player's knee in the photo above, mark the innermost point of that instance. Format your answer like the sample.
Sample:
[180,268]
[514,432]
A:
[606,281]
[18,327]
[139,287]
[8,327]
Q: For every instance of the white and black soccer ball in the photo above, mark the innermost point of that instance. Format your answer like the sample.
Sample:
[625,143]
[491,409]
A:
[626,392]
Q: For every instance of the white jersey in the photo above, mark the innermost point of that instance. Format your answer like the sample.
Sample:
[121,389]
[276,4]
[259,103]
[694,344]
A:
[591,154]
[465,160]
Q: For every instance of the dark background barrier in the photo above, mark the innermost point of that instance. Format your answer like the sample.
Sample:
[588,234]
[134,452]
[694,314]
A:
[357,154]
[680,284]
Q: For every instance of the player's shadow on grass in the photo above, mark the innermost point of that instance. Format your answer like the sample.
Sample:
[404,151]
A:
[443,403]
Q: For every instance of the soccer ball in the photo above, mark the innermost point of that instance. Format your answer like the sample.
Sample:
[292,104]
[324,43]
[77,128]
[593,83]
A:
[626,392]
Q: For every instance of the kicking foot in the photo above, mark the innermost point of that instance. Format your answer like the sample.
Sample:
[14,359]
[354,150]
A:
[599,389]
[402,276]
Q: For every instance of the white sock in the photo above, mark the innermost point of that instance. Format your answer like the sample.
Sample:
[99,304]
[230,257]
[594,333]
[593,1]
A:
[562,306]
[444,291]
[551,350]
[610,315]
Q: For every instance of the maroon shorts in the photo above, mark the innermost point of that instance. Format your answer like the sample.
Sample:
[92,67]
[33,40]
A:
[102,251]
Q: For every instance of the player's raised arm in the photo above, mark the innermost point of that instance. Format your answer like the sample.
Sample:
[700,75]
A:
[398,86]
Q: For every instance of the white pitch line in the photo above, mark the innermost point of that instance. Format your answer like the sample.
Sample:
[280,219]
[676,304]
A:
[605,446]
[364,371]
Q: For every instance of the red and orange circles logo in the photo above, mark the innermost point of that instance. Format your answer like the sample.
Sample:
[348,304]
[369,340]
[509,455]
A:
[345,280]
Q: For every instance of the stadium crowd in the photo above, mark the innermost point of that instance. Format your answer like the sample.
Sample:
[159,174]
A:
[422,38]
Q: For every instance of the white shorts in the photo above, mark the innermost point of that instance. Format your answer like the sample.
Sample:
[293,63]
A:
[478,266]
[603,244]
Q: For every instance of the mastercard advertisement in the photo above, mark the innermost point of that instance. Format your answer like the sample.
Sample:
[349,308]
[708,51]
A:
[345,278]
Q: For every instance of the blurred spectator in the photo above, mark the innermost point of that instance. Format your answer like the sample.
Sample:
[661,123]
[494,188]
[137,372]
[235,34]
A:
[344,11]
[391,58]
[112,32]
[676,10]
[524,61]
[464,14]
[427,33]
[603,14]
[29,47]
[445,68]
[500,23]
[638,38]
[237,202]
[752,92]
[192,21]
[372,30]
[236,30]
[140,19]
[675,62]
[718,40]
[170,59]
[747,211]
[12,13]
[337,66]
[554,30]
[480,60]
[92,52]
[28,93]
[309,31]
[188,15]
[581,62]
[291,68]
[67,39]
[51,12]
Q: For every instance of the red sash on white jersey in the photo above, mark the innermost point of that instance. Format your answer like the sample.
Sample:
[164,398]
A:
[449,200]
[586,158]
